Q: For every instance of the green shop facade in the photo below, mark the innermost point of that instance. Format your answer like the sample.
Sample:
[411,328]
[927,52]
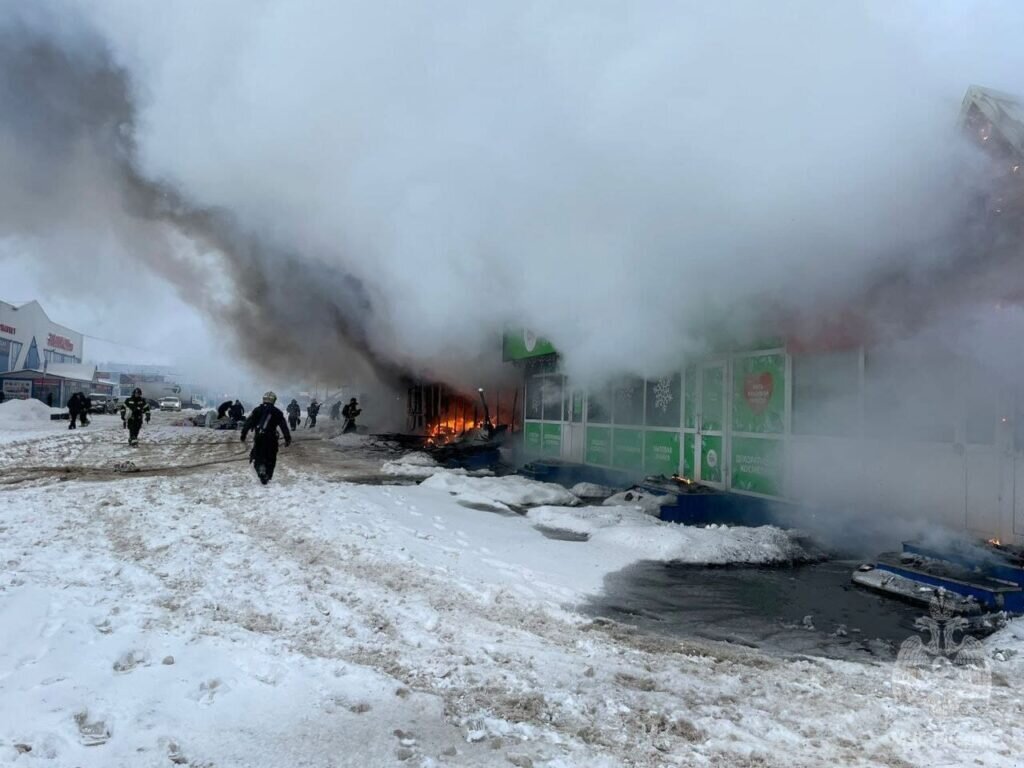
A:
[723,421]
[919,438]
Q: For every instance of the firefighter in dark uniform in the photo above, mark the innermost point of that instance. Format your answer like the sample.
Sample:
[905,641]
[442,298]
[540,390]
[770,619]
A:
[133,411]
[75,406]
[265,420]
[350,412]
[294,414]
[311,412]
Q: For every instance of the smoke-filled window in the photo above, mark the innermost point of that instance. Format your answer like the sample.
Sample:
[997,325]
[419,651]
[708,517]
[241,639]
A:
[826,394]
[552,398]
[534,397]
[599,406]
[629,401]
[663,401]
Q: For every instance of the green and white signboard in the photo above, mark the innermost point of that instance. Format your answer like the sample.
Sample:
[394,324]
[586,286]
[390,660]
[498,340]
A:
[661,453]
[599,445]
[628,449]
[758,465]
[520,345]
[532,438]
[759,394]
[551,439]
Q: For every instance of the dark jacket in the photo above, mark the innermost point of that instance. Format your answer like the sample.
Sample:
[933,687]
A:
[350,411]
[265,420]
[134,408]
[75,404]
[236,411]
[294,409]
[222,409]
[313,409]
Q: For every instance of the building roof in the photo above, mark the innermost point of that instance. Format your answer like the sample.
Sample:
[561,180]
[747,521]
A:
[76,371]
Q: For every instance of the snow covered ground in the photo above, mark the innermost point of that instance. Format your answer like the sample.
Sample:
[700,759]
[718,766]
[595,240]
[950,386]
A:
[178,613]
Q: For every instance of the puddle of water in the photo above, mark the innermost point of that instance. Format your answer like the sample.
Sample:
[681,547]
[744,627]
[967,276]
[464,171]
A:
[760,607]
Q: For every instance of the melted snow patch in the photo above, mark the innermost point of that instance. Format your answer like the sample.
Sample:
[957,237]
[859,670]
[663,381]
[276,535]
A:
[631,530]
[512,490]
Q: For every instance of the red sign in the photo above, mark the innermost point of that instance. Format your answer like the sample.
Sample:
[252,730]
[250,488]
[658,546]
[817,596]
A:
[60,343]
[757,389]
[6,329]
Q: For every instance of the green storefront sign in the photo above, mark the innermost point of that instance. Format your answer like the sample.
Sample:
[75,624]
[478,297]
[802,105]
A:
[551,439]
[532,438]
[661,453]
[758,465]
[711,458]
[520,345]
[599,445]
[759,394]
[628,449]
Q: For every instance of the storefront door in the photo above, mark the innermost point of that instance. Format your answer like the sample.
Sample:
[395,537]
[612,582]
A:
[711,415]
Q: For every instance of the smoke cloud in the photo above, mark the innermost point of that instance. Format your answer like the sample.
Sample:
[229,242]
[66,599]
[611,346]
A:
[385,189]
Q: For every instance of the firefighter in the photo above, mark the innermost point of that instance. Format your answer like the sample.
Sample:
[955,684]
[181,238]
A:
[133,410]
[294,414]
[336,411]
[86,408]
[236,412]
[311,412]
[222,409]
[350,412]
[265,420]
[75,406]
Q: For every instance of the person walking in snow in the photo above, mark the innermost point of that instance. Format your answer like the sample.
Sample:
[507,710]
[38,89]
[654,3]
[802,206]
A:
[133,411]
[264,421]
[311,412]
[294,414]
[336,411]
[75,406]
[86,408]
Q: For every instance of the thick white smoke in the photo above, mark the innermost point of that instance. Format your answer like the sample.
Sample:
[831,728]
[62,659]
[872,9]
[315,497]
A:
[622,178]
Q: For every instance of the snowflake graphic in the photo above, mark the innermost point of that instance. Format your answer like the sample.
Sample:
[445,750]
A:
[663,394]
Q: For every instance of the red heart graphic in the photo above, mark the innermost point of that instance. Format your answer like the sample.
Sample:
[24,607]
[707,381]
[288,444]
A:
[757,389]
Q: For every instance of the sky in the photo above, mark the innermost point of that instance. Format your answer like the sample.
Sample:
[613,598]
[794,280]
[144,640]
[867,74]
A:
[336,190]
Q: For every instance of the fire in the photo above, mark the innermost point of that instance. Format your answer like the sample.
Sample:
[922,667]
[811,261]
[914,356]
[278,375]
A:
[446,430]
[995,542]
[681,479]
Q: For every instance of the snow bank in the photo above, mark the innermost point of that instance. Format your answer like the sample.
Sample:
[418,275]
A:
[417,465]
[591,491]
[24,412]
[631,530]
[648,503]
[512,490]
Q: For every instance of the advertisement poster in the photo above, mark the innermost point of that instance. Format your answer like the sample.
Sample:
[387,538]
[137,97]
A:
[551,439]
[661,453]
[758,465]
[759,394]
[599,445]
[17,389]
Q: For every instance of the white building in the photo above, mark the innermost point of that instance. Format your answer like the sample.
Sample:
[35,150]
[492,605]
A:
[37,354]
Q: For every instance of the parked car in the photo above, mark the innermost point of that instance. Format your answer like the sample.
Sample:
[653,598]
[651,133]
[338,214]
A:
[170,403]
[103,403]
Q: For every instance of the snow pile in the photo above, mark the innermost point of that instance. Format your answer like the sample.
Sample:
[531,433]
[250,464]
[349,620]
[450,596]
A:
[648,503]
[591,491]
[21,412]
[635,534]
[513,490]
[417,465]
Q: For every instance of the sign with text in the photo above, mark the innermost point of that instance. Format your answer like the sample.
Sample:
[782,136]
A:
[661,453]
[60,342]
[758,465]
[17,389]
[532,438]
[599,445]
